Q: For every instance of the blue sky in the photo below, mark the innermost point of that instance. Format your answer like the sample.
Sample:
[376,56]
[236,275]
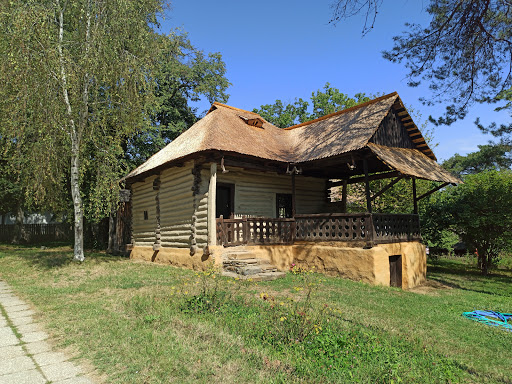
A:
[286,49]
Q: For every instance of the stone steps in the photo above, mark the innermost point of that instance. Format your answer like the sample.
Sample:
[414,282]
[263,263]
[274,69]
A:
[241,263]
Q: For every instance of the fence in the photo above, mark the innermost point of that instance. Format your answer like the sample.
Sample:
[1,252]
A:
[34,233]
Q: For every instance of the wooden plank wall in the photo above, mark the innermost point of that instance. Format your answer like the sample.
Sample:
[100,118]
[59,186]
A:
[255,192]
[392,133]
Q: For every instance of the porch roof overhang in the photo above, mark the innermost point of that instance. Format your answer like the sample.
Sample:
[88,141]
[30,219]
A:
[380,159]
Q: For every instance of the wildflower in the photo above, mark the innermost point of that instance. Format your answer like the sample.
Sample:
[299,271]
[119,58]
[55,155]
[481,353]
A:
[282,318]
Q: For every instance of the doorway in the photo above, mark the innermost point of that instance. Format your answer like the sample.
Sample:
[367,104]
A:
[395,271]
[225,201]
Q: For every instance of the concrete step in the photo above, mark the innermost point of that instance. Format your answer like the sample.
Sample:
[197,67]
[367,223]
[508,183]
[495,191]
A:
[247,266]
[263,276]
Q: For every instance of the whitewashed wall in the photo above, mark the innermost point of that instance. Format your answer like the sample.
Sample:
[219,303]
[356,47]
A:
[255,192]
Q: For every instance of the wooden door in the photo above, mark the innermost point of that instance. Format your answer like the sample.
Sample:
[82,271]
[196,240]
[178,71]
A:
[395,271]
[225,204]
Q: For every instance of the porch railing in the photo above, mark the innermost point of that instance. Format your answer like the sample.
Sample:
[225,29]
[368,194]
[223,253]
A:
[255,230]
[350,227]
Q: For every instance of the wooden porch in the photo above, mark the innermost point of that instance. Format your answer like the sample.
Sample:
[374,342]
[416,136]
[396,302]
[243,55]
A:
[367,229]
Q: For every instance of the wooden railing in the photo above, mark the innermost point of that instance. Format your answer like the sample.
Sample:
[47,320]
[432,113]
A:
[255,230]
[364,228]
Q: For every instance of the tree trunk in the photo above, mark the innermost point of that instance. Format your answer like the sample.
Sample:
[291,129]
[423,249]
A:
[77,205]
[111,232]
[75,144]
[19,230]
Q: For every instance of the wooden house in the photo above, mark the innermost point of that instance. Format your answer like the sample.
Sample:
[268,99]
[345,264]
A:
[235,187]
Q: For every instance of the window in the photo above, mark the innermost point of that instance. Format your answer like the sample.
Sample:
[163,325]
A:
[146,216]
[283,205]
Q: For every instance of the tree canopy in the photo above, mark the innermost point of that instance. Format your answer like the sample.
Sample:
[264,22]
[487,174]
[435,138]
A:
[323,102]
[488,157]
[464,54]
[479,211]
[182,75]
[77,72]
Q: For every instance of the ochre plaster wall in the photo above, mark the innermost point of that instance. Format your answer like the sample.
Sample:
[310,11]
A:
[179,257]
[369,265]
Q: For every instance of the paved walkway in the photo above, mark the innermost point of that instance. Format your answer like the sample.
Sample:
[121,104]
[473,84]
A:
[25,355]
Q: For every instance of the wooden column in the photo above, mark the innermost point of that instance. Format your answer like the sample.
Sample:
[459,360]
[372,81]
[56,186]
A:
[344,196]
[415,200]
[212,199]
[293,194]
[367,187]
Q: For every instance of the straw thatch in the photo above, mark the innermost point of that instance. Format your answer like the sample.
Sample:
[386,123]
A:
[411,162]
[229,129]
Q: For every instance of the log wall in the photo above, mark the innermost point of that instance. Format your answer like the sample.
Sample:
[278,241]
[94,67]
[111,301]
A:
[143,198]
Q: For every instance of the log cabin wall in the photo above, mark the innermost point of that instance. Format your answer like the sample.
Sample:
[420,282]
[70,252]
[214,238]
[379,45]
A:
[183,202]
[255,192]
[144,224]
[392,133]
[176,206]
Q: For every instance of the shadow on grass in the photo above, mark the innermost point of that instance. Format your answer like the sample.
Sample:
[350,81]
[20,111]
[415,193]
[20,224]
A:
[458,275]
[55,255]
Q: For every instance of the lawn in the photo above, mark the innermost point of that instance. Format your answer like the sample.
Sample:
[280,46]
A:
[146,323]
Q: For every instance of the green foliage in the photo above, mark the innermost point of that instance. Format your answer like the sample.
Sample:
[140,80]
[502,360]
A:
[206,293]
[78,93]
[488,157]
[463,53]
[479,211]
[183,74]
[296,319]
[323,102]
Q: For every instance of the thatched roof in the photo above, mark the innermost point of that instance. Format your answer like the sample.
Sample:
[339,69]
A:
[413,163]
[229,129]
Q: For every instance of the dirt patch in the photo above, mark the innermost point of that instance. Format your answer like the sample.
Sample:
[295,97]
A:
[430,287]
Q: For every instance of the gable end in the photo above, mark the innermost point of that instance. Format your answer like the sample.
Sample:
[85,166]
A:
[392,133]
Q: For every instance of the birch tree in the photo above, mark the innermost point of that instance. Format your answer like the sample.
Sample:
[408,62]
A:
[76,81]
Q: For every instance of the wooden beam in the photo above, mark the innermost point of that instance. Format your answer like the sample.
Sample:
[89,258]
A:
[432,191]
[414,199]
[387,187]
[359,179]
[403,113]
[367,186]
[253,166]
[421,139]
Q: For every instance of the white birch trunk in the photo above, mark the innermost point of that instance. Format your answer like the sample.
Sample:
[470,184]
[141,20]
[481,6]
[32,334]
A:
[75,151]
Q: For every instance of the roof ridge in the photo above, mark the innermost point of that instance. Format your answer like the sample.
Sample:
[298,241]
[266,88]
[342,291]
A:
[216,103]
[343,111]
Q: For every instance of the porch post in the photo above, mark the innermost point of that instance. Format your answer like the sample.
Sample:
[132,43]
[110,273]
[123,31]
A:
[293,194]
[415,200]
[344,197]
[367,186]
[212,192]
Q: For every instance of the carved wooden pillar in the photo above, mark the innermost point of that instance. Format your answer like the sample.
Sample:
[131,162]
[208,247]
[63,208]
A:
[212,192]
[367,187]
[415,200]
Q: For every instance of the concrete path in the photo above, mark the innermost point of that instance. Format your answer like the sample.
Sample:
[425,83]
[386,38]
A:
[25,355]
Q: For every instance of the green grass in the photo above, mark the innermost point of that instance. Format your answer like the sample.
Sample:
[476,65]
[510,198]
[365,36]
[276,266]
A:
[127,320]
